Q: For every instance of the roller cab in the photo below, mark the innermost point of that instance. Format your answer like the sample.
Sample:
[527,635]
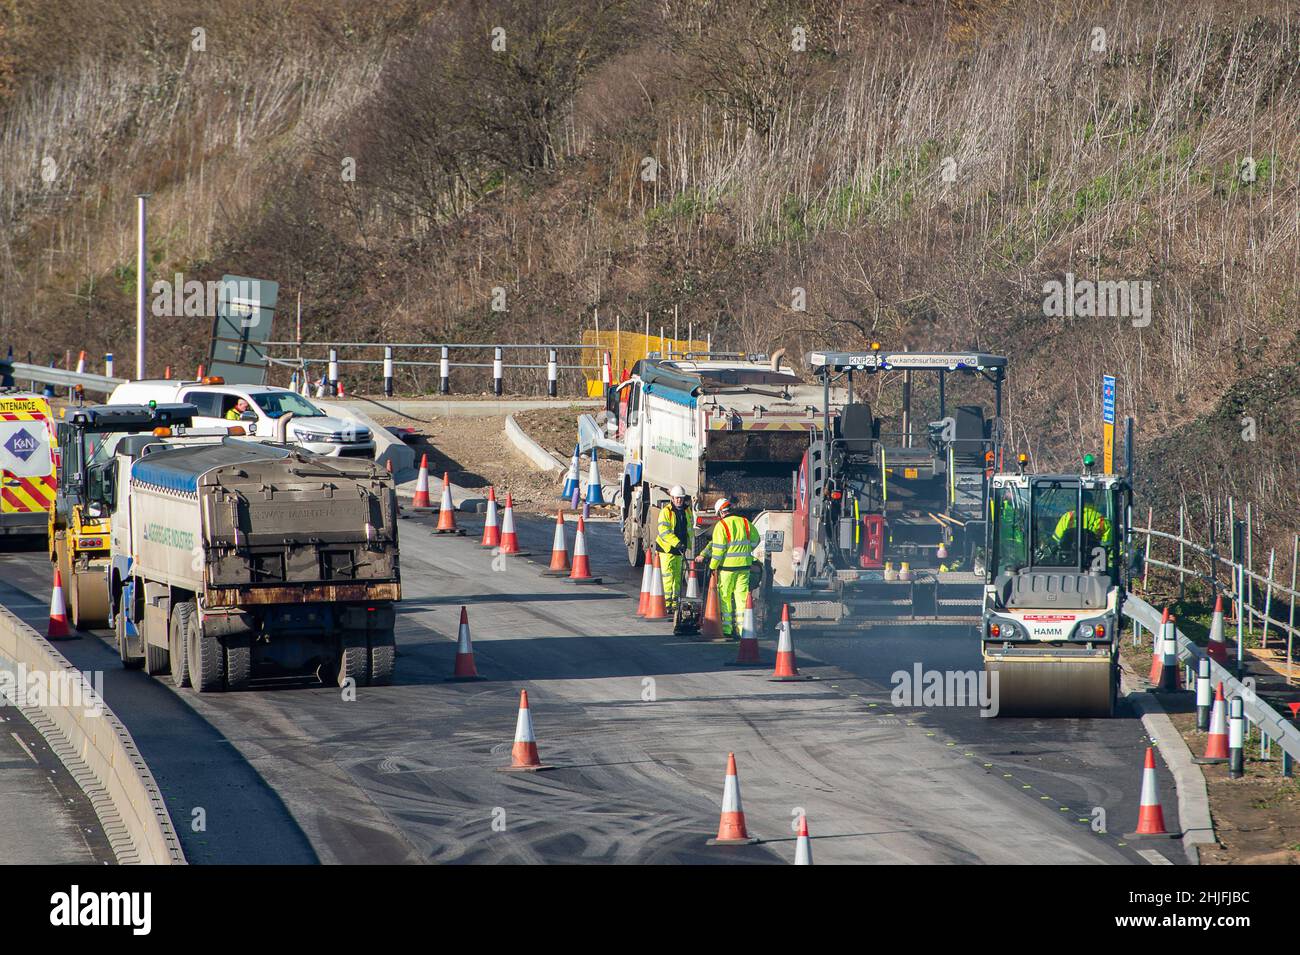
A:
[1055,583]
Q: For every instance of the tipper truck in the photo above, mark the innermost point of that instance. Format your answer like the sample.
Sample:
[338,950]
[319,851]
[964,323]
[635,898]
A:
[242,560]
[718,426]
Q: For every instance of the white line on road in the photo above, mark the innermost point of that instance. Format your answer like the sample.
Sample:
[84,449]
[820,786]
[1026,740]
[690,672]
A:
[1155,858]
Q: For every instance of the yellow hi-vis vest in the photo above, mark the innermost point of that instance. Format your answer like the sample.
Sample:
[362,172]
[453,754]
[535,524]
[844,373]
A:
[668,539]
[734,540]
[1092,522]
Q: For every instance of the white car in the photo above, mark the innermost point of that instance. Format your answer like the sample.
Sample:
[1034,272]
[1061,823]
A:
[257,408]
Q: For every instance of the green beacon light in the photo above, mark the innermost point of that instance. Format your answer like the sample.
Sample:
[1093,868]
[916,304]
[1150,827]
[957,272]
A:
[153,404]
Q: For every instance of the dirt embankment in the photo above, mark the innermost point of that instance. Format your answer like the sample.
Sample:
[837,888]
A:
[477,454]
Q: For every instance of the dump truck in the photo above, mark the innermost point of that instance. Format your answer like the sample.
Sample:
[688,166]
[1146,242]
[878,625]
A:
[1059,561]
[78,531]
[27,463]
[720,426]
[888,523]
[243,560]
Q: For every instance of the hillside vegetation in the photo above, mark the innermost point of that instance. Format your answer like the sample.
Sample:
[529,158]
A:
[910,172]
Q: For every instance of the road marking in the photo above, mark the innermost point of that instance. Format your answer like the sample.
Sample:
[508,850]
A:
[1154,857]
[20,742]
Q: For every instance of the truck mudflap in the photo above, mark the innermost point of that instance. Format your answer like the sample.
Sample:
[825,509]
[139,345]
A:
[264,594]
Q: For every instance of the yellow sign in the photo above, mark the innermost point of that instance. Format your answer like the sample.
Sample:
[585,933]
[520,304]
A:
[1108,449]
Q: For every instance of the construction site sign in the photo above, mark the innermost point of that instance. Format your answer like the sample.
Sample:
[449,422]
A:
[245,307]
[1108,423]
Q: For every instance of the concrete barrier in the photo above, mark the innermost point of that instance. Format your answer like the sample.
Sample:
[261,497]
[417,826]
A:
[388,446]
[98,751]
[541,459]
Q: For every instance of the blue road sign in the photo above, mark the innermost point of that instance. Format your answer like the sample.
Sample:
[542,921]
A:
[1108,399]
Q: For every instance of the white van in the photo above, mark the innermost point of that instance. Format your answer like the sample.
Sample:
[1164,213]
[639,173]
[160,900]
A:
[258,408]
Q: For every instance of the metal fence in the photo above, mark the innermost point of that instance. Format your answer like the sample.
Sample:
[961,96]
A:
[1231,577]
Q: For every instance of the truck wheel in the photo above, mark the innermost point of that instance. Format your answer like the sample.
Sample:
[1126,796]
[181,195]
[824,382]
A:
[238,652]
[155,660]
[632,529]
[203,654]
[383,655]
[123,648]
[178,641]
[354,659]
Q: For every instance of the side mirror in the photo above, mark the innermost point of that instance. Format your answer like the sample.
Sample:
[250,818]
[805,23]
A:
[249,415]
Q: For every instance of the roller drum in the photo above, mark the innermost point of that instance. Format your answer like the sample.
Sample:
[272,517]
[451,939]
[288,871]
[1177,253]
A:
[1054,687]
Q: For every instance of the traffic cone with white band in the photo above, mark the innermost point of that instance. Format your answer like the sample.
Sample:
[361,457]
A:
[786,671]
[421,498]
[446,510]
[559,550]
[1151,817]
[491,528]
[58,625]
[523,756]
[731,827]
[465,668]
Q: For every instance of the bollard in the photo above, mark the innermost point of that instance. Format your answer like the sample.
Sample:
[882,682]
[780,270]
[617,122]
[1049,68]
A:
[496,372]
[1236,738]
[108,364]
[332,376]
[444,373]
[1265,745]
[552,374]
[388,371]
[1203,697]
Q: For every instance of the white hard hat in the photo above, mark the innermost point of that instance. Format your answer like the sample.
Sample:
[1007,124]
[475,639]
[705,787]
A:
[677,491]
[722,505]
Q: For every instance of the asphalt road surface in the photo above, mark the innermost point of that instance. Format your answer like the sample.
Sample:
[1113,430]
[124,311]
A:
[637,724]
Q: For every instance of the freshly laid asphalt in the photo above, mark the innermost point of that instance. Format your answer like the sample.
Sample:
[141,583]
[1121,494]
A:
[637,724]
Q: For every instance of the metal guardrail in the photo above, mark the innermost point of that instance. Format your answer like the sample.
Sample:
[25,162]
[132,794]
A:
[1238,590]
[100,384]
[1273,726]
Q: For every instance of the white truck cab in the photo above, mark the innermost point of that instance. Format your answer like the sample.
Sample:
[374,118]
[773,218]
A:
[260,409]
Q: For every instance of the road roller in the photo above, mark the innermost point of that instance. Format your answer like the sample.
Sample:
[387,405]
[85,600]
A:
[1056,575]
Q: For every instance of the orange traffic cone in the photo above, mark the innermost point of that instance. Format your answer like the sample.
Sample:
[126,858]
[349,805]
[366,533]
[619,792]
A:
[654,607]
[1151,817]
[803,846]
[731,827]
[339,391]
[1158,650]
[748,653]
[581,572]
[465,668]
[523,757]
[58,626]
[509,539]
[167,373]
[559,550]
[1217,650]
[1216,742]
[199,376]
[711,625]
[491,530]
[644,602]
[421,498]
[786,671]
[446,510]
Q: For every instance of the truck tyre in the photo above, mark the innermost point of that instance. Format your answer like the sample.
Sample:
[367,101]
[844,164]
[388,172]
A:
[354,659]
[177,640]
[119,629]
[633,528]
[383,656]
[204,654]
[155,660]
[237,649]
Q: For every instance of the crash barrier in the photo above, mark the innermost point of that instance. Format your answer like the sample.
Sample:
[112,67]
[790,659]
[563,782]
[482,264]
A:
[97,749]
[1272,726]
